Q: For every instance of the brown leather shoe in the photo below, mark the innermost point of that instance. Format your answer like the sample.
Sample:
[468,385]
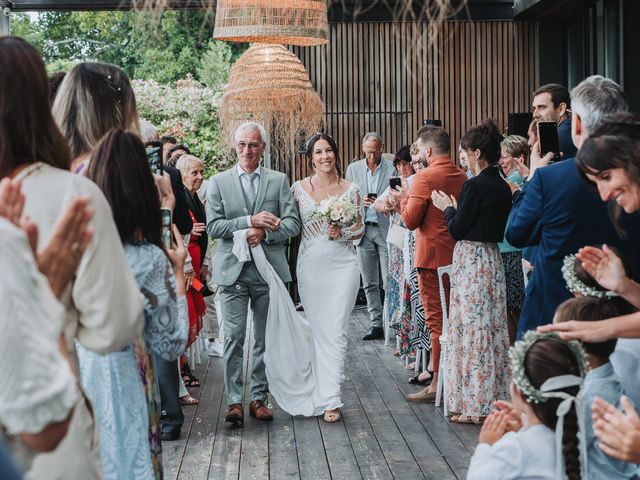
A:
[235,415]
[259,410]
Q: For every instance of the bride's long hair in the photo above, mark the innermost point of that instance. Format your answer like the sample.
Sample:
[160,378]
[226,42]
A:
[311,143]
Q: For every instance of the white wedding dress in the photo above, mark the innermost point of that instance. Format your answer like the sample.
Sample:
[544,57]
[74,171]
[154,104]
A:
[304,357]
[328,281]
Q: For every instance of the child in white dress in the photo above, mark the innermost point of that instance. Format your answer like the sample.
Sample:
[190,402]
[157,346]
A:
[518,441]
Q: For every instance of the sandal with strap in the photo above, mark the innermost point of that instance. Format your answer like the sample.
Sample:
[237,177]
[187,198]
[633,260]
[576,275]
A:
[189,379]
[332,416]
[467,419]
[188,400]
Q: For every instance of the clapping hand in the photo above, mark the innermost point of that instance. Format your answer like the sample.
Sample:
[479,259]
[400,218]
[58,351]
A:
[619,432]
[442,201]
[493,428]
[265,220]
[514,419]
[604,266]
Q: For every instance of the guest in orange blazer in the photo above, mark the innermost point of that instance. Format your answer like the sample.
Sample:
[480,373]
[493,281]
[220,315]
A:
[434,244]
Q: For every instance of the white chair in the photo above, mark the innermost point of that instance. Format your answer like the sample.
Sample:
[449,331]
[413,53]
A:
[385,322]
[441,389]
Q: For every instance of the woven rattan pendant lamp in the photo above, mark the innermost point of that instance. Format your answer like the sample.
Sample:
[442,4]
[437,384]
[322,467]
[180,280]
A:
[287,22]
[269,85]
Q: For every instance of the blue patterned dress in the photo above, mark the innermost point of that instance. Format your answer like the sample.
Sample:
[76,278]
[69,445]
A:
[122,385]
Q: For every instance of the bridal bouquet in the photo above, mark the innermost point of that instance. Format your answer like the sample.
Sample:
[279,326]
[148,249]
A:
[338,210]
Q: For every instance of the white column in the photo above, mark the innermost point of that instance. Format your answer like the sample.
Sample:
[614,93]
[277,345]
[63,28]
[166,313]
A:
[4,24]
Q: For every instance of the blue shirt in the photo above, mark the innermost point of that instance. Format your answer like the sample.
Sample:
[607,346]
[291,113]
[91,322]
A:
[604,383]
[373,181]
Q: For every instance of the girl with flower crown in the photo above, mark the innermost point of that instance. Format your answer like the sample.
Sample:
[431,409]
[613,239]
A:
[518,439]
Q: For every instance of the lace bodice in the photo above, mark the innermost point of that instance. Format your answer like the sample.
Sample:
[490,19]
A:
[315,229]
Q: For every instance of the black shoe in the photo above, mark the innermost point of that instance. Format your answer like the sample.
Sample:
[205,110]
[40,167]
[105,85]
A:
[416,380]
[169,437]
[374,333]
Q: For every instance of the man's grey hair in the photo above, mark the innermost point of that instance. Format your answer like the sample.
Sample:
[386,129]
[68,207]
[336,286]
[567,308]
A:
[252,127]
[185,161]
[148,132]
[372,136]
[595,97]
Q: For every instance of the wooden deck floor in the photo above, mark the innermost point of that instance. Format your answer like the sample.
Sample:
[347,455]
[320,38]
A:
[382,436]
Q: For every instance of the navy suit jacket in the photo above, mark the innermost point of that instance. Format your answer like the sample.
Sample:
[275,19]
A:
[558,212]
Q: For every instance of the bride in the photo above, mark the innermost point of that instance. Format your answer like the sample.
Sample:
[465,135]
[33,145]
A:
[304,357]
[328,272]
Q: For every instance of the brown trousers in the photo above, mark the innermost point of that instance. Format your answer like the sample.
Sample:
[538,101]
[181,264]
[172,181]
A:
[430,295]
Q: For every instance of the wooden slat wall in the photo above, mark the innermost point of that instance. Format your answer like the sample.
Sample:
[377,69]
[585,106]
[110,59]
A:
[382,77]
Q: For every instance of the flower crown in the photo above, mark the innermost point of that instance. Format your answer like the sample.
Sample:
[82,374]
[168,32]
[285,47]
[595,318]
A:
[575,285]
[518,352]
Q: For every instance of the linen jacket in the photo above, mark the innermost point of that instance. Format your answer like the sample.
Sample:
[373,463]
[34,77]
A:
[434,243]
[357,173]
[227,210]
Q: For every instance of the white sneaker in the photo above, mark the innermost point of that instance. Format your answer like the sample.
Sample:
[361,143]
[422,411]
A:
[215,348]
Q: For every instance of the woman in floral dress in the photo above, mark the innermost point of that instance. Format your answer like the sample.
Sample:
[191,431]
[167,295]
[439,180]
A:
[478,339]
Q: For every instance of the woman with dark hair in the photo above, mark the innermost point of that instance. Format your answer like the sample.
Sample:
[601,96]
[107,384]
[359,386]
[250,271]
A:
[546,372]
[118,382]
[478,338]
[327,270]
[103,306]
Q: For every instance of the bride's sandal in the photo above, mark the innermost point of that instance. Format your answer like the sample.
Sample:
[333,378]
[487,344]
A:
[332,416]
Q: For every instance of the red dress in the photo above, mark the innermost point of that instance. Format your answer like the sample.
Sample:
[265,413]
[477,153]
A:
[195,300]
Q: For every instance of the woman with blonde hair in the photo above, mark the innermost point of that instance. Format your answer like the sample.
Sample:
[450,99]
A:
[93,99]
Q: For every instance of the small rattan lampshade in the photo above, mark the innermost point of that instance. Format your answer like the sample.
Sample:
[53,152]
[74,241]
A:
[287,22]
[269,85]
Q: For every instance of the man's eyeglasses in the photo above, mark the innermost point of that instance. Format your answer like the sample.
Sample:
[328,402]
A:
[252,145]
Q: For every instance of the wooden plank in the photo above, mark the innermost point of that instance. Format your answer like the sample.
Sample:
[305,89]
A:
[340,456]
[283,456]
[312,459]
[205,424]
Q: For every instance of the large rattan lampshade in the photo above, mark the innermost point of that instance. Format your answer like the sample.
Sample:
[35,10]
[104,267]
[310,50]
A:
[287,22]
[269,85]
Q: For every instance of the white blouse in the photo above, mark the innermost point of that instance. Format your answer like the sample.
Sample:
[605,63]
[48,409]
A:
[104,307]
[525,455]
[37,386]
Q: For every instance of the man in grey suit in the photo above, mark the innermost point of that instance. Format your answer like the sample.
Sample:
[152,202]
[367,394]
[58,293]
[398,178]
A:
[252,197]
[372,175]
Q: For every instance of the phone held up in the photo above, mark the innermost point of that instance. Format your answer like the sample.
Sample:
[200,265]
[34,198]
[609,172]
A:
[154,156]
[395,182]
[372,196]
[167,238]
[548,138]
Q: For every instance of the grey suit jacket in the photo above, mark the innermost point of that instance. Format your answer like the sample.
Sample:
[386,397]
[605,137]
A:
[357,173]
[227,212]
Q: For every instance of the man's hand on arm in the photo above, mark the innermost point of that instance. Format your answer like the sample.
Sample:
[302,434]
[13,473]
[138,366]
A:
[265,220]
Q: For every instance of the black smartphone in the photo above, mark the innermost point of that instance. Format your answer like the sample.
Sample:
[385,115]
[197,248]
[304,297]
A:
[167,238]
[395,182]
[154,156]
[372,195]
[548,138]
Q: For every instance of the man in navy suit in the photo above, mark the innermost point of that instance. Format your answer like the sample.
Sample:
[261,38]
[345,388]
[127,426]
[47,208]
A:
[559,212]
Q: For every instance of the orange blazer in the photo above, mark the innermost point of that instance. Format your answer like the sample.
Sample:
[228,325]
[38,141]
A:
[434,244]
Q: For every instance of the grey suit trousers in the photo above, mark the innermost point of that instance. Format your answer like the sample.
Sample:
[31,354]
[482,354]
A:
[373,259]
[234,301]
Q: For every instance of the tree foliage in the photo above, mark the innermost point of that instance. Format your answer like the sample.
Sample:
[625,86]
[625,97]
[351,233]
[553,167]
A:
[168,57]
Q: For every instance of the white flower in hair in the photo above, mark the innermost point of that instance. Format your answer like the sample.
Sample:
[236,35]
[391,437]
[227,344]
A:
[577,286]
